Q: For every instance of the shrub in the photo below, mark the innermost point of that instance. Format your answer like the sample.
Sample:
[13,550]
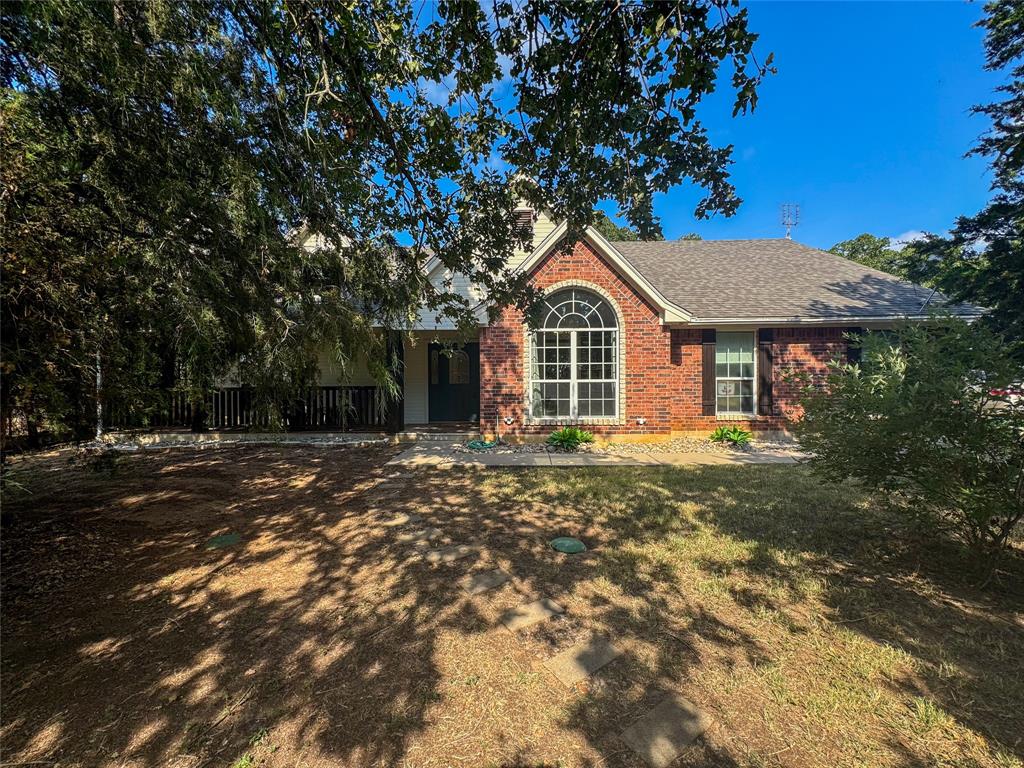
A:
[921,419]
[569,438]
[735,435]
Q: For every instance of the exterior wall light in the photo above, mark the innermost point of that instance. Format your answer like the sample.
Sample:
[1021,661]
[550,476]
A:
[641,420]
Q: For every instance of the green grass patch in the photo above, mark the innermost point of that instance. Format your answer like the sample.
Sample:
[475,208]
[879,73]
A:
[803,606]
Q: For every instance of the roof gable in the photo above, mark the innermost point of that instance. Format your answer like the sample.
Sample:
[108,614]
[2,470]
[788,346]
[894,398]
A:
[669,311]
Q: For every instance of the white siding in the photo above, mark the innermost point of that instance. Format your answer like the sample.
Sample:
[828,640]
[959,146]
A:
[331,373]
[461,285]
[416,382]
[542,227]
[426,320]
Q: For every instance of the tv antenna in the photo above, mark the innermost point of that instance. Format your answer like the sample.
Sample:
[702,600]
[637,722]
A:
[790,218]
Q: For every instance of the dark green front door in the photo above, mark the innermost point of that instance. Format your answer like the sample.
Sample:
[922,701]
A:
[454,389]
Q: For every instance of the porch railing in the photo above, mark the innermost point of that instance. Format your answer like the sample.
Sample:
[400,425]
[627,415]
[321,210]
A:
[318,408]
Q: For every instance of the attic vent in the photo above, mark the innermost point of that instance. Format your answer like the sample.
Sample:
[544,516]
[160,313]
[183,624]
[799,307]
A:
[524,218]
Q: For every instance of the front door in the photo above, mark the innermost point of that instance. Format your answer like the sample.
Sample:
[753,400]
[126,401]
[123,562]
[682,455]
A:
[454,390]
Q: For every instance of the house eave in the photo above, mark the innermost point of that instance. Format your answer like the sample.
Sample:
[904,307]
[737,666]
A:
[863,320]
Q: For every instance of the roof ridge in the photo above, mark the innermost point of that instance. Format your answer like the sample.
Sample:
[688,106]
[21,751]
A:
[718,240]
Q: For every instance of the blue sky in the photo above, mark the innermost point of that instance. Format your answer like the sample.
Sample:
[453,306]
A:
[865,125]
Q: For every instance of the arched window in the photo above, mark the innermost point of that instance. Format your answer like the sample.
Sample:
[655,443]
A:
[574,358]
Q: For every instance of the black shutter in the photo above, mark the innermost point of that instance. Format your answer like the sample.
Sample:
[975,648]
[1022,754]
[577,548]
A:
[853,345]
[765,337]
[708,372]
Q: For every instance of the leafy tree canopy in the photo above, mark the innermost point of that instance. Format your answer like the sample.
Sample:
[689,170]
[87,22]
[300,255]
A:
[160,158]
[982,261]
[875,252]
[613,231]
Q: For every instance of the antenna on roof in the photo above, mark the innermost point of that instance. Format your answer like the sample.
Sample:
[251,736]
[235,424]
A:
[790,217]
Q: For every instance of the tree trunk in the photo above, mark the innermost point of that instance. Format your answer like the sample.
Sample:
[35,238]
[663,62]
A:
[33,433]
[199,416]
[395,421]
[99,397]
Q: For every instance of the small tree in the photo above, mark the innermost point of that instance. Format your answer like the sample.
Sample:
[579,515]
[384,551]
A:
[917,419]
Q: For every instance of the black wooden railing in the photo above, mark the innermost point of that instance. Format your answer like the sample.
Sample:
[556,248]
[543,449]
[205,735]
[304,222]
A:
[326,408]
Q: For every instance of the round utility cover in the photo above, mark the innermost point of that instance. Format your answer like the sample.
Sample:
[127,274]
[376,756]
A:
[568,545]
[224,540]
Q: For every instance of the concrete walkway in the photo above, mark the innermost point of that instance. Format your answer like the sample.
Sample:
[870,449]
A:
[445,455]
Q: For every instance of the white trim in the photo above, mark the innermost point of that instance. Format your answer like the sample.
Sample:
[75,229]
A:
[620,417]
[432,264]
[738,415]
[669,312]
[762,322]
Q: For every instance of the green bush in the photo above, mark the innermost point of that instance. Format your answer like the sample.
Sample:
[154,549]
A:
[735,435]
[922,420]
[569,438]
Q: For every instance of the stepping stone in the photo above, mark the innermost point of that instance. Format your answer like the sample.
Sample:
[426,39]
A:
[401,519]
[664,732]
[423,535]
[531,613]
[449,554]
[475,583]
[582,660]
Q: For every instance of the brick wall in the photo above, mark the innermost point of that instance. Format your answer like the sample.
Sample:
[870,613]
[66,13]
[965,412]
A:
[805,350]
[661,379]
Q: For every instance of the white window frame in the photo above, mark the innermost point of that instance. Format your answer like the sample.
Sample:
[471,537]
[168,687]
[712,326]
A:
[738,415]
[574,380]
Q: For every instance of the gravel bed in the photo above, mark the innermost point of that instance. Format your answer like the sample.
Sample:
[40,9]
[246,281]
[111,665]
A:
[675,445]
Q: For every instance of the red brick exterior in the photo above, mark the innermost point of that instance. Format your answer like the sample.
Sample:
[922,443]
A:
[662,373]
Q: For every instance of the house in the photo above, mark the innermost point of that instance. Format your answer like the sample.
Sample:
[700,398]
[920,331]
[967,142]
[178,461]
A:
[650,338]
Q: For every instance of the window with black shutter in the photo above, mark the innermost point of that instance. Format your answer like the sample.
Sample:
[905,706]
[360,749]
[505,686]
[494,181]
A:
[765,338]
[708,372]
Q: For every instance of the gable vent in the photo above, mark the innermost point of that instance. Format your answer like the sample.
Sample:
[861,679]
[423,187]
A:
[524,218]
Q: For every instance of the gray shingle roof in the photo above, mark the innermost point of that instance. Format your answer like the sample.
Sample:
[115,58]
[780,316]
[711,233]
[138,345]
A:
[779,279]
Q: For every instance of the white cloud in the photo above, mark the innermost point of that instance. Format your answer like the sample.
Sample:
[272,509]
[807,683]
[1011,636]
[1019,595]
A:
[496,162]
[906,238]
[437,93]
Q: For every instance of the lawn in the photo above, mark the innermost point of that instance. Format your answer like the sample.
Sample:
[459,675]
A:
[795,614]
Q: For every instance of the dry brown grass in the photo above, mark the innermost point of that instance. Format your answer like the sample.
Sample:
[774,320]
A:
[787,609]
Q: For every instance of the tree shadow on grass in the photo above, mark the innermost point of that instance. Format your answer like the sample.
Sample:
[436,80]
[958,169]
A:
[773,554]
[318,640]
[314,626]
[903,588]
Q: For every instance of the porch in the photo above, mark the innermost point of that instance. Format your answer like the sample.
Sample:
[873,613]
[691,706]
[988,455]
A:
[440,383]
[360,408]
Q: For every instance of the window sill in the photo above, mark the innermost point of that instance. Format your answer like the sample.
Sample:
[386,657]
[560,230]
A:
[736,416]
[565,421]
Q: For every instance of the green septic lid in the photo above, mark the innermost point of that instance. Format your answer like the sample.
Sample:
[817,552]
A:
[224,540]
[568,545]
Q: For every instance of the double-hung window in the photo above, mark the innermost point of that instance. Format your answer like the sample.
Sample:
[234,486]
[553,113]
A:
[734,374]
[574,358]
